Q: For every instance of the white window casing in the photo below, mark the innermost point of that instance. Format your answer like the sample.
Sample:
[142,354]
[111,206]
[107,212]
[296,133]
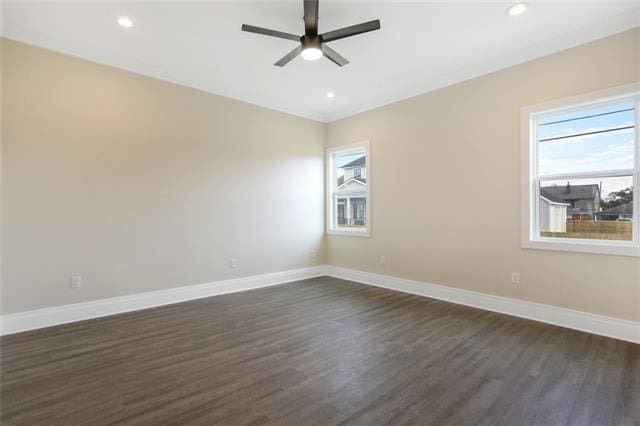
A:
[530,191]
[346,199]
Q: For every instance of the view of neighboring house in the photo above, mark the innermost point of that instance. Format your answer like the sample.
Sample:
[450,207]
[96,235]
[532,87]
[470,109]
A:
[351,192]
[553,212]
[583,200]
[621,212]
[575,211]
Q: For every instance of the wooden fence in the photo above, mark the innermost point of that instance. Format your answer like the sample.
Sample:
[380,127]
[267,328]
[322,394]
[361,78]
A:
[595,229]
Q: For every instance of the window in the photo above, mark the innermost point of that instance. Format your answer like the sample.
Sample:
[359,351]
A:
[348,190]
[581,174]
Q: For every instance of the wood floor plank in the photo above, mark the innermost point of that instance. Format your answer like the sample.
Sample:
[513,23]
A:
[321,351]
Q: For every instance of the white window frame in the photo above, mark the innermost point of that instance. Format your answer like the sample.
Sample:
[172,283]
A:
[530,235]
[331,187]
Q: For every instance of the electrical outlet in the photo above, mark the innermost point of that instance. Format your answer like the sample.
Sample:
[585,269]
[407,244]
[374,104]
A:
[515,278]
[314,254]
[233,263]
[76,281]
[383,260]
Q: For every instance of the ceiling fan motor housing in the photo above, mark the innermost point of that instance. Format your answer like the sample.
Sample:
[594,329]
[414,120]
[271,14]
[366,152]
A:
[310,42]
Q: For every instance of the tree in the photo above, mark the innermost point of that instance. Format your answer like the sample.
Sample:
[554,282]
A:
[617,198]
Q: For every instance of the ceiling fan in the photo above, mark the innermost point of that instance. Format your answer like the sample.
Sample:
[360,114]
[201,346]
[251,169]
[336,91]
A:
[312,45]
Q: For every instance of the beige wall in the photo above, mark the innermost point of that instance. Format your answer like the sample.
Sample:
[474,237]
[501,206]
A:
[441,160]
[137,184]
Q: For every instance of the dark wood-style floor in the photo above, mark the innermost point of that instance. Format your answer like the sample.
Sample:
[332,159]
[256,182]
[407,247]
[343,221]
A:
[322,351]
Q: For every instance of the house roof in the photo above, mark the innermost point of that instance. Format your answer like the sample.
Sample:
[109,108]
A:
[549,196]
[626,208]
[572,192]
[358,162]
[341,181]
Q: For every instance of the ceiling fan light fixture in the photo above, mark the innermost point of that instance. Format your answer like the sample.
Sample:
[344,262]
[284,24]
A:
[311,53]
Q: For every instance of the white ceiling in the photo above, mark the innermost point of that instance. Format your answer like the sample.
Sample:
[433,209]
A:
[421,46]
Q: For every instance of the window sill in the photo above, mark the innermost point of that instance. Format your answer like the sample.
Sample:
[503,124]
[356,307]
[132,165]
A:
[581,246]
[350,233]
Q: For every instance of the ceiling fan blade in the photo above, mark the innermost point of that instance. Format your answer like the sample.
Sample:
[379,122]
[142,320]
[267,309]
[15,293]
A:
[365,27]
[289,57]
[334,56]
[311,18]
[268,32]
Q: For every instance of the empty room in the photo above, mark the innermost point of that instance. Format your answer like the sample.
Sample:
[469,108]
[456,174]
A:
[320,212]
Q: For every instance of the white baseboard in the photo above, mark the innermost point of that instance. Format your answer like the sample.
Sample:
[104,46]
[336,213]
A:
[40,318]
[583,321]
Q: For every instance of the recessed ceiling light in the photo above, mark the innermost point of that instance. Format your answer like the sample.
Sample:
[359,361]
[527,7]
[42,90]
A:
[330,95]
[125,22]
[517,9]
[311,53]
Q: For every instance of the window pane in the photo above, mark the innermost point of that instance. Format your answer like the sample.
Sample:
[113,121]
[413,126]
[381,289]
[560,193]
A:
[351,189]
[598,209]
[589,140]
